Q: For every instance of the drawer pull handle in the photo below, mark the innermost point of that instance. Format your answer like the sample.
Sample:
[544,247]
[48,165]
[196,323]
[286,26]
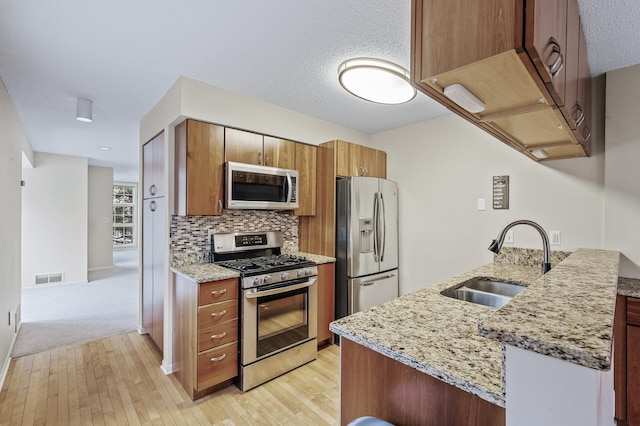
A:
[219,336]
[216,292]
[578,109]
[218,358]
[219,314]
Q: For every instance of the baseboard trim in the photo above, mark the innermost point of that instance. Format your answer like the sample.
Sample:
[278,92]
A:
[7,361]
[142,330]
[167,368]
[99,268]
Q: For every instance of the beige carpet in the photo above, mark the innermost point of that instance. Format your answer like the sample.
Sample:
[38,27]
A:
[67,314]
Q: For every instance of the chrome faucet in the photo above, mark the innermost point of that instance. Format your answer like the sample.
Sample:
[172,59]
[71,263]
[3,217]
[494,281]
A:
[496,245]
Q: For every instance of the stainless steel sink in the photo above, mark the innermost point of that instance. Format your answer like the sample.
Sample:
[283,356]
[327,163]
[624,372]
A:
[484,291]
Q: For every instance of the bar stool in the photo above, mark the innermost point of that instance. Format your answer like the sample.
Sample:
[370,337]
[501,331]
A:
[368,421]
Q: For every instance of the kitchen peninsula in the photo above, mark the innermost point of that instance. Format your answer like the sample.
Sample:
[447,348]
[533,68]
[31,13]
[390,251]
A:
[425,358]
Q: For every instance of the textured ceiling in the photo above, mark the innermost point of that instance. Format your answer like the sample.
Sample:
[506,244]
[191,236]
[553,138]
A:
[124,55]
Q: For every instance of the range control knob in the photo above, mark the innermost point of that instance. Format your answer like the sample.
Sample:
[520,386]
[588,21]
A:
[299,273]
[307,272]
[257,281]
[267,279]
[284,276]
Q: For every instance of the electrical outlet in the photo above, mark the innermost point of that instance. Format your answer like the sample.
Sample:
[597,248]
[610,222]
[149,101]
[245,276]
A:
[508,239]
[482,205]
[554,238]
[294,231]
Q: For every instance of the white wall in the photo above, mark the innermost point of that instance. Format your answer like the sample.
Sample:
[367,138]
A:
[12,141]
[622,171]
[54,227]
[444,165]
[100,231]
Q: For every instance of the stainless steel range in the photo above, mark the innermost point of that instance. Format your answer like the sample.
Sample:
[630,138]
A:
[278,329]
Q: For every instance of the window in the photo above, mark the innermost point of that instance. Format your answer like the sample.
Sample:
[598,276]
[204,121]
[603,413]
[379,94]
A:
[124,203]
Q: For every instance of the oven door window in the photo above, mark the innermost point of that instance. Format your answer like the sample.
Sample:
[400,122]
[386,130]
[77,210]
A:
[248,186]
[283,320]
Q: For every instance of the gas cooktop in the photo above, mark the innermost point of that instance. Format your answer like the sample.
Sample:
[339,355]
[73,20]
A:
[266,264]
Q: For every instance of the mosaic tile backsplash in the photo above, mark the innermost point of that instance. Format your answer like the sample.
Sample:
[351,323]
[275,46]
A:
[189,242]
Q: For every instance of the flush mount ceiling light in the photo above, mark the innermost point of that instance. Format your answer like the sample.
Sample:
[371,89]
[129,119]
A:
[84,110]
[376,80]
[104,148]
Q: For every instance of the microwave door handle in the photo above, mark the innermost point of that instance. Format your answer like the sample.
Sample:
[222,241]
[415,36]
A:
[289,187]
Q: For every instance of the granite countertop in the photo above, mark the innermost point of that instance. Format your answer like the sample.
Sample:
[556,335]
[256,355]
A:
[317,258]
[206,272]
[629,287]
[567,313]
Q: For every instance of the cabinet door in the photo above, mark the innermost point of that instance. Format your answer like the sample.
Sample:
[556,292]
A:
[153,268]
[343,158]
[620,357]
[159,241]
[582,111]
[633,375]
[279,153]
[204,174]
[379,166]
[306,167]
[326,300]
[546,42]
[147,263]
[572,63]
[243,147]
[153,167]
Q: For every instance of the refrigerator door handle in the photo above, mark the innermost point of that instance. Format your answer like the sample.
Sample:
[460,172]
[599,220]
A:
[383,222]
[373,281]
[376,242]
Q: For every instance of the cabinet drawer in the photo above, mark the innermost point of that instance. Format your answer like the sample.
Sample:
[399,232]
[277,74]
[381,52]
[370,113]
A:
[217,335]
[217,291]
[217,313]
[217,365]
[633,311]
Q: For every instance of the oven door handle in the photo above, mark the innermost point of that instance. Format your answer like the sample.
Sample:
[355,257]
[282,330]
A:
[254,294]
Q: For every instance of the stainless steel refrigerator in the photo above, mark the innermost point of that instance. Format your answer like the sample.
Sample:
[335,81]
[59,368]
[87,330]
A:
[366,243]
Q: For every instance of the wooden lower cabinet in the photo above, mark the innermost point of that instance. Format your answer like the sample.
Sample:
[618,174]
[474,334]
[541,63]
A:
[205,334]
[326,302]
[626,365]
[372,384]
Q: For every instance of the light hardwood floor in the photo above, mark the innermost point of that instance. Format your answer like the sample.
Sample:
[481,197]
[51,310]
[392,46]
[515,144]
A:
[118,381]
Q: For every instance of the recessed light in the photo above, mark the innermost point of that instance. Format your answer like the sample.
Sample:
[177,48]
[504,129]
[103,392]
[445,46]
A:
[376,80]
[104,148]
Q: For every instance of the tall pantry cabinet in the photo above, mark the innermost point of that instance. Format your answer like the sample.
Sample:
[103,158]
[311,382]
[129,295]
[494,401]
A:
[154,238]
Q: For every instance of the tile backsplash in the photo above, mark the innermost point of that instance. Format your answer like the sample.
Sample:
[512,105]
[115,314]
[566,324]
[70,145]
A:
[188,235]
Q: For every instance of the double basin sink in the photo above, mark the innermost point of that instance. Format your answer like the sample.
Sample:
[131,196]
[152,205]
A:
[484,291]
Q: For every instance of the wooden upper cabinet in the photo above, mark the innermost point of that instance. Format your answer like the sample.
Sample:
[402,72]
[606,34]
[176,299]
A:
[199,168]
[357,160]
[521,61]
[153,168]
[546,42]
[279,153]
[243,147]
[449,40]
[253,148]
[582,110]
[305,164]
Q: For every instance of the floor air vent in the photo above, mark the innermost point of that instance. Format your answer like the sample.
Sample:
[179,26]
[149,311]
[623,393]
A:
[50,278]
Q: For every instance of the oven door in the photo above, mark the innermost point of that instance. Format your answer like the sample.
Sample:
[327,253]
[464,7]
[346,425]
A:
[274,319]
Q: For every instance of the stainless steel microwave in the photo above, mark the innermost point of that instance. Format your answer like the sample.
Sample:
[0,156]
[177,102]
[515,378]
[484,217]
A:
[249,186]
